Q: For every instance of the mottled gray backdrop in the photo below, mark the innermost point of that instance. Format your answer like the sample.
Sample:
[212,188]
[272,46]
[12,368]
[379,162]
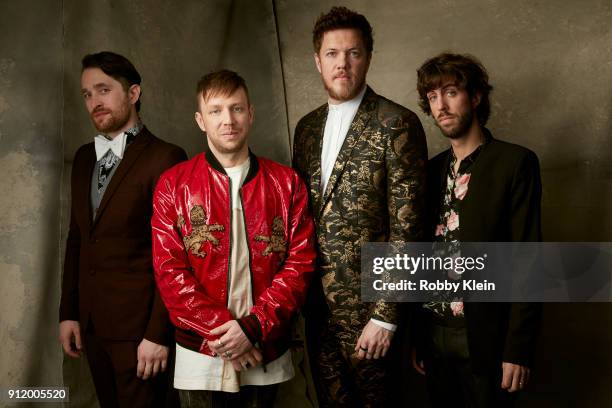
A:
[550,63]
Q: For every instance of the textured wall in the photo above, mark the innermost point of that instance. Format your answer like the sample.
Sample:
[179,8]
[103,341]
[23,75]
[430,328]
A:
[550,63]
[30,164]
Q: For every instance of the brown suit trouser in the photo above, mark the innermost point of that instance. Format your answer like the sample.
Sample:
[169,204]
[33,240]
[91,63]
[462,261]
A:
[113,369]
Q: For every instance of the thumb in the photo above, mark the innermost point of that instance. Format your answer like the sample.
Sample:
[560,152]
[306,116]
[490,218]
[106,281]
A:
[77,339]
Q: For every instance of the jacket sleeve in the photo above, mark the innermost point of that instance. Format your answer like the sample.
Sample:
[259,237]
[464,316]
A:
[187,303]
[405,160]
[69,303]
[525,318]
[273,309]
[159,327]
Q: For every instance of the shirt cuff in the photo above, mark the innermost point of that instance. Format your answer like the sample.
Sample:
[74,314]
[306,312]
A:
[389,326]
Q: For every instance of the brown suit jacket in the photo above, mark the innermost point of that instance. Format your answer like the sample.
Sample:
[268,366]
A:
[108,273]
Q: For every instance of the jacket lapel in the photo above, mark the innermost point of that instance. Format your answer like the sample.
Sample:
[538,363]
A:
[129,158]
[359,124]
[82,187]
[314,160]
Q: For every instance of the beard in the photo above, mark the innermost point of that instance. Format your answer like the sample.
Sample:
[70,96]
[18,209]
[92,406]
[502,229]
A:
[462,127]
[344,92]
[228,147]
[113,121]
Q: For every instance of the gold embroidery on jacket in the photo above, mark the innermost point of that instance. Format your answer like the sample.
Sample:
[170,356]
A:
[200,231]
[276,242]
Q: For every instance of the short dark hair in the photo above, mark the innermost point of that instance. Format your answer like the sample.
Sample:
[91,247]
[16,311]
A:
[223,82]
[338,18]
[116,66]
[468,73]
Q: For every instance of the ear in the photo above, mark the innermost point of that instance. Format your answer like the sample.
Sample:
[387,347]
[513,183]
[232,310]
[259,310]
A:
[476,100]
[317,62]
[200,121]
[134,93]
[251,114]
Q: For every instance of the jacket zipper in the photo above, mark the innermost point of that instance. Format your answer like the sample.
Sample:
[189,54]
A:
[246,233]
[247,244]
[229,258]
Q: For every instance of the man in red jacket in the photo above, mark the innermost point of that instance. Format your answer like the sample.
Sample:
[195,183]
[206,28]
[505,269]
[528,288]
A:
[233,250]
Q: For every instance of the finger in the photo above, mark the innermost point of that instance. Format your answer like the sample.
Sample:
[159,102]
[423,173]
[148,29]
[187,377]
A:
[385,351]
[375,350]
[68,349]
[257,355]
[506,378]
[77,339]
[140,367]
[155,369]
[219,330]
[516,381]
[162,365]
[236,365]
[147,370]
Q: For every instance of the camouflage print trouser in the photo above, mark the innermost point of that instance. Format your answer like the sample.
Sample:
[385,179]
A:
[341,379]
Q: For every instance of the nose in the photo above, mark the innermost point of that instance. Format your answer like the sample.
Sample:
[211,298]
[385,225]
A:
[440,103]
[93,102]
[343,60]
[227,117]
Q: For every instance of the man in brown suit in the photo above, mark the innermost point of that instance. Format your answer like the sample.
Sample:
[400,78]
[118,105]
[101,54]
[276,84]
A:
[110,306]
[363,158]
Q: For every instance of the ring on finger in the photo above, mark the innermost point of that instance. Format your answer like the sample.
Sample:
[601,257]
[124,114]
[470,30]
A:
[363,349]
[220,343]
[228,354]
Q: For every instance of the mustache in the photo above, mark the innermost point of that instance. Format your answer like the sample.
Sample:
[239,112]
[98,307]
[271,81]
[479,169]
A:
[443,115]
[99,109]
[343,74]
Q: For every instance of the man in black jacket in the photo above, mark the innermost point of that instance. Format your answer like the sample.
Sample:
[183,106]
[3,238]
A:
[479,190]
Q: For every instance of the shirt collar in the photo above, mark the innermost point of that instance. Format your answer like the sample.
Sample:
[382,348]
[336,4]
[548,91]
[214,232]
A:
[347,106]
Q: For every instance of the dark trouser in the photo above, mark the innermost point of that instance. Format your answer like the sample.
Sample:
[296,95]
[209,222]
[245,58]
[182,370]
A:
[451,381]
[113,369]
[340,379]
[250,396]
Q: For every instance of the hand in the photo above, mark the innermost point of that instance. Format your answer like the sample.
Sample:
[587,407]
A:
[418,365]
[515,377]
[232,342]
[251,358]
[69,330]
[152,359]
[374,341]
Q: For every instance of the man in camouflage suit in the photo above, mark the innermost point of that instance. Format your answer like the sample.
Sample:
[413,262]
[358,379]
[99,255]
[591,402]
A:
[363,158]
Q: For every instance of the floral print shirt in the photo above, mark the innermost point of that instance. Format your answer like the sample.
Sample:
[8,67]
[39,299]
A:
[450,310]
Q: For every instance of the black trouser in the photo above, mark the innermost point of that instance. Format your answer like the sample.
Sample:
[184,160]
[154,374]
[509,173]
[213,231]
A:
[451,381]
[250,396]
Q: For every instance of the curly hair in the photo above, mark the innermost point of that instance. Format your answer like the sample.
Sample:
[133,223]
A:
[467,72]
[338,18]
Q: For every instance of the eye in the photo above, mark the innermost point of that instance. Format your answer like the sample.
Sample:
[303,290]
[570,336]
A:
[238,109]
[214,111]
[432,97]
[86,95]
[330,53]
[104,91]
[451,92]
[355,54]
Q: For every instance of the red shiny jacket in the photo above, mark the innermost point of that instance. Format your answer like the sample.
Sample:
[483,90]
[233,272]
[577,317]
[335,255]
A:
[191,249]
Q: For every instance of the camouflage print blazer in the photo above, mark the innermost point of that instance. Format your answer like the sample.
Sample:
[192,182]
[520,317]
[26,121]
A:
[376,192]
